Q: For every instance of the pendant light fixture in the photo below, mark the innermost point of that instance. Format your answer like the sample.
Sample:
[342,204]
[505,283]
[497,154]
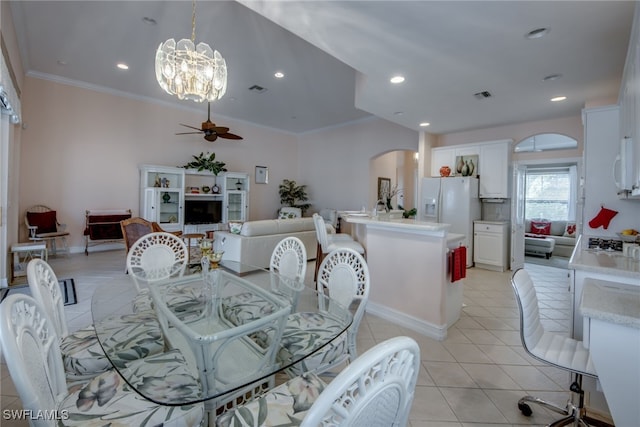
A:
[195,73]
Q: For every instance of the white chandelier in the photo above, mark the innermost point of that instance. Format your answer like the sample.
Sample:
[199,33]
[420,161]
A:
[195,73]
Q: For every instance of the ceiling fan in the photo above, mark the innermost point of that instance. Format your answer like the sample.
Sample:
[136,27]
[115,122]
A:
[210,130]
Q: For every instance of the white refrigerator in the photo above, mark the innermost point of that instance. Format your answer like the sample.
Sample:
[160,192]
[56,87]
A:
[452,200]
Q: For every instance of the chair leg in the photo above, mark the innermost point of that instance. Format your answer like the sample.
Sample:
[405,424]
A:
[319,258]
[575,413]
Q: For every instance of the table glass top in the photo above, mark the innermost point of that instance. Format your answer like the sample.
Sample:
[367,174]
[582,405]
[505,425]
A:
[229,331]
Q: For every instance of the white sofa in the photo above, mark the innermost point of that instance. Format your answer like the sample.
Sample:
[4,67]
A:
[563,244]
[257,239]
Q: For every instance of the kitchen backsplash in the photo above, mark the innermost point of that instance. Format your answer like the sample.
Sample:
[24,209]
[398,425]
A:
[497,211]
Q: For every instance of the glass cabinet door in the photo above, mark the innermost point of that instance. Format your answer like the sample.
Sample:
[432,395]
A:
[236,205]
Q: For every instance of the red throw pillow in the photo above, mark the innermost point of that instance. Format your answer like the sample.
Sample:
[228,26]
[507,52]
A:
[541,227]
[570,230]
[45,221]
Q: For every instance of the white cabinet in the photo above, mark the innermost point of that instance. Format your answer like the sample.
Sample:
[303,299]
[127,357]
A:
[494,161]
[490,245]
[235,207]
[442,156]
[162,196]
[493,169]
[236,196]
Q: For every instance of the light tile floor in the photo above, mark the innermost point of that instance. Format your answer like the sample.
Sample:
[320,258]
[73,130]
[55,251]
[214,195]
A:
[472,378]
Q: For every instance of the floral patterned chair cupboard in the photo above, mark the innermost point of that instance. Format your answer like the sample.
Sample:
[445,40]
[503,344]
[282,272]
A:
[30,349]
[43,226]
[376,390]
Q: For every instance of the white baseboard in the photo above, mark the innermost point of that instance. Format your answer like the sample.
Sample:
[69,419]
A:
[97,248]
[437,332]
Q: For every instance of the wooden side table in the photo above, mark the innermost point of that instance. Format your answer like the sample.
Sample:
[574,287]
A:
[187,238]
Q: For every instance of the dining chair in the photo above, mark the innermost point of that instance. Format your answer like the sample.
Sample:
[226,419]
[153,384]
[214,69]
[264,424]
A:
[344,275]
[82,354]
[552,349]
[329,242]
[289,263]
[30,348]
[155,256]
[136,227]
[376,390]
[43,226]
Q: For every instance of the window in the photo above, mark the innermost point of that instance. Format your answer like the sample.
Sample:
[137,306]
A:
[550,193]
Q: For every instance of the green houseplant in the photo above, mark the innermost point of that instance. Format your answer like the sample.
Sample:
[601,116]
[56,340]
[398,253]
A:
[206,162]
[294,195]
[209,163]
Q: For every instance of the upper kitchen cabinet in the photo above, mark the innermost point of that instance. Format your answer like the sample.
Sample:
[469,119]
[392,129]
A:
[628,169]
[494,162]
[442,156]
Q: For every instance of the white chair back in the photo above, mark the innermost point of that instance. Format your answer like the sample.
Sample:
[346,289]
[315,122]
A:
[375,390]
[321,232]
[31,351]
[531,330]
[330,216]
[46,290]
[345,275]
[289,258]
[157,256]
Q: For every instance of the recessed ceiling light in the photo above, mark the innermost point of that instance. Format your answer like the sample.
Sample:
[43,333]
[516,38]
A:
[122,66]
[552,77]
[396,79]
[61,62]
[537,33]
[279,75]
[558,98]
[149,21]
[425,124]
[398,113]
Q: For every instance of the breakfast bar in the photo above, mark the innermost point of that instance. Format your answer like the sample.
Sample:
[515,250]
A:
[410,276]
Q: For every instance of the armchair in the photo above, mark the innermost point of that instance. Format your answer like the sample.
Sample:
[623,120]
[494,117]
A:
[43,226]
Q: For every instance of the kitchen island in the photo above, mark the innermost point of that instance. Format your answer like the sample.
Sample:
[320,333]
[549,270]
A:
[410,278]
[586,265]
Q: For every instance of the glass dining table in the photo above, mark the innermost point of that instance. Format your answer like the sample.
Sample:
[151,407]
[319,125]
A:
[233,332]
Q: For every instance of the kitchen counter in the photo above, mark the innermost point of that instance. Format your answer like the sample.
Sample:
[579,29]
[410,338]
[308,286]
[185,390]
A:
[611,302]
[604,262]
[398,224]
[410,275]
[612,334]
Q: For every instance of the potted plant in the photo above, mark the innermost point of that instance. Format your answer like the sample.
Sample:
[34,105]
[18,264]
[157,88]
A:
[292,194]
[209,163]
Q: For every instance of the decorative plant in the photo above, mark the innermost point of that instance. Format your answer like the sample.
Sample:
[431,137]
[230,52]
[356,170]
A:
[291,194]
[390,194]
[206,162]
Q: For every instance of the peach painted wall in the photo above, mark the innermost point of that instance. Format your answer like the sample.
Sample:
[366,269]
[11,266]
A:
[339,159]
[81,149]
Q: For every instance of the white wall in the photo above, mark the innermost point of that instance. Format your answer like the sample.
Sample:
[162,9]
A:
[335,163]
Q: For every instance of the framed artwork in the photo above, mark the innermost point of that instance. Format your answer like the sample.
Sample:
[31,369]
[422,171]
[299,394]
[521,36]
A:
[384,187]
[262,175]
[466,165]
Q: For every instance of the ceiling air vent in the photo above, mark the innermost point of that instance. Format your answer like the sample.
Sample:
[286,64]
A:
[257,89]
[483,95]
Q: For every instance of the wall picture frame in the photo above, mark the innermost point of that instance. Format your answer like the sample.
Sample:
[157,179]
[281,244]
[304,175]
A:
[262,175]
[384,187]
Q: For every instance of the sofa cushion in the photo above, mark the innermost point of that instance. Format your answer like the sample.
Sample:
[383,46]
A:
[295,225]
[259,228]
[564,241]
[570,230]
[541,227]
[45,221]
[558,227]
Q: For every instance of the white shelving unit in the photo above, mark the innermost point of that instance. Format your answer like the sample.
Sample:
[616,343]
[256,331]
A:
[162,196]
